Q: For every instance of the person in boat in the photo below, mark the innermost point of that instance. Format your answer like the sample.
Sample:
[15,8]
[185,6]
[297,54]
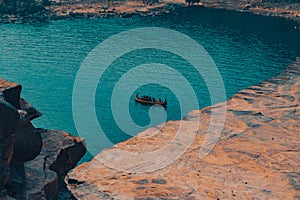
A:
[165,101]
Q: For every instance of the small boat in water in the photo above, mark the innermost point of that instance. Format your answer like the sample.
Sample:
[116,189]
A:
[150,101]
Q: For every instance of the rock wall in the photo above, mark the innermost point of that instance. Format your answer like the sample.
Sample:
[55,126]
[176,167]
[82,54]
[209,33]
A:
[33,162]
[256,157]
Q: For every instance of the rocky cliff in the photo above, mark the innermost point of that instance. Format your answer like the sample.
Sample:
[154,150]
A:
[33,162]
[256,157]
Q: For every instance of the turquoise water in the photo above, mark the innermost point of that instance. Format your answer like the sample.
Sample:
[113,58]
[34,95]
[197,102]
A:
[45,59]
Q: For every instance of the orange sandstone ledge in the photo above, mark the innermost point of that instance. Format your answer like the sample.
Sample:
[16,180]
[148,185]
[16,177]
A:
[256,157]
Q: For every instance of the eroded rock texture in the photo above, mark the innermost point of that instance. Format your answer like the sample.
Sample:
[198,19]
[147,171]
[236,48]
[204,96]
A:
[256,157]
[60,153]
[33,162]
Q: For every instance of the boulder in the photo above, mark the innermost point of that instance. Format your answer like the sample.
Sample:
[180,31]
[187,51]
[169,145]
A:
[16,121]
[33,162]
[9,118]
[60,153]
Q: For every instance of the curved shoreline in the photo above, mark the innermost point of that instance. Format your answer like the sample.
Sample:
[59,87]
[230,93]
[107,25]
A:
[259,146]
[131,8]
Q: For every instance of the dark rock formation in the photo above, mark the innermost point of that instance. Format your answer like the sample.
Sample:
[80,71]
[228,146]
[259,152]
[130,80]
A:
[21,6]
[27,143]
[33,162]
[9,118]
[256,156]
[46,172]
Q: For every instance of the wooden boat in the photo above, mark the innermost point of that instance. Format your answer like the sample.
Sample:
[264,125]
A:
[149,101]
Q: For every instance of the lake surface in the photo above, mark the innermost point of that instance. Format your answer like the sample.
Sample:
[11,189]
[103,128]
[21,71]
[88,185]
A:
[45,59]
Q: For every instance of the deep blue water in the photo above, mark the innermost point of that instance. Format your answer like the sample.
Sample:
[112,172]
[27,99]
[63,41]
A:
[45,59]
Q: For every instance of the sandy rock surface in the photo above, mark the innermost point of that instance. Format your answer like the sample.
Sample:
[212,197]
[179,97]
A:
[257,155]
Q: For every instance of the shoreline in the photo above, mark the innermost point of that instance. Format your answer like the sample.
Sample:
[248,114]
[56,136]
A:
[257,148]
[86,10]
[62,11]
[281,10]
[241,179]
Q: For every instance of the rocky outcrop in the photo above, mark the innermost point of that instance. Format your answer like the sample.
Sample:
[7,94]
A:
[257,155]
[33,162]
[69,9]
[124,9]
[22,143]
[60,153]
[278,8]
[58,10]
